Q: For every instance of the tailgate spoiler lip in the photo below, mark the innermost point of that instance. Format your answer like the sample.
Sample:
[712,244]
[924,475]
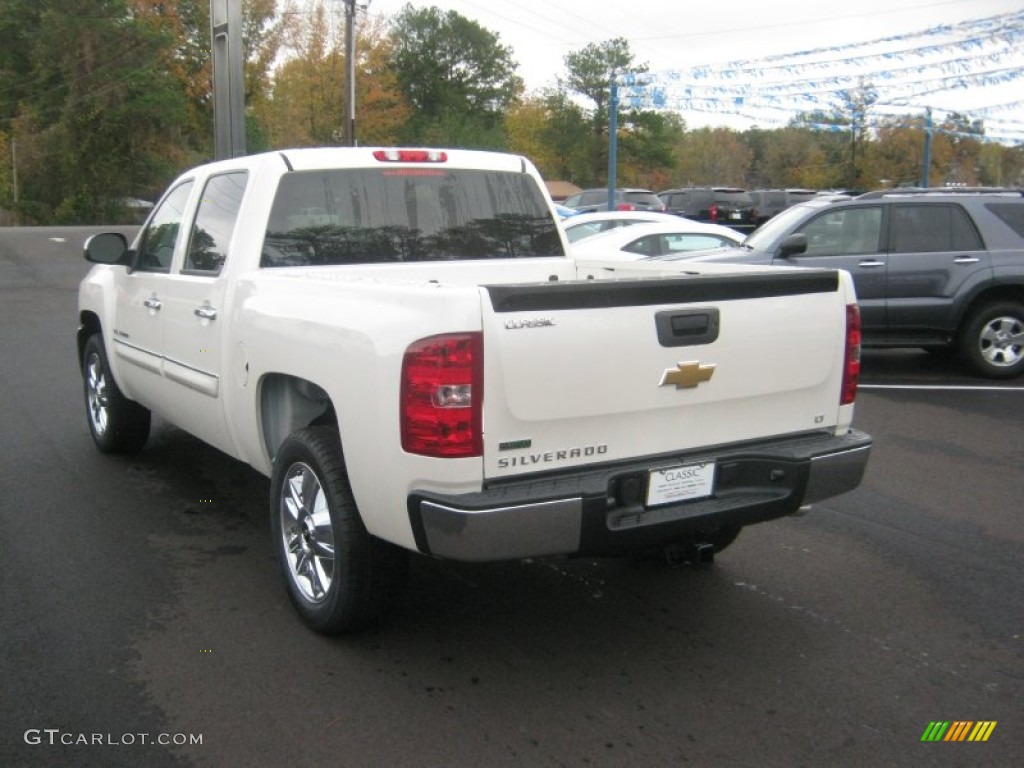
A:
[604,294]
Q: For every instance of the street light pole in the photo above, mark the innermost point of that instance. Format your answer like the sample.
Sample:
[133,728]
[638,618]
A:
[350,71]
[927,146]
[613,130]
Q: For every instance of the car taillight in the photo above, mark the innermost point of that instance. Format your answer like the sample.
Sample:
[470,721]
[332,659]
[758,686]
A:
[714,213]
[851,366]
[442,396]
[410,156]
[625,207]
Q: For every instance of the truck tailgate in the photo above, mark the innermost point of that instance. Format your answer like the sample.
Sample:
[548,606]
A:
[598,371]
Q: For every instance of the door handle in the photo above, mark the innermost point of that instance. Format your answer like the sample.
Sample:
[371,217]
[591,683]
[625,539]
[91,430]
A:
[206,312]
[871,263]
[966,260]
[153,303]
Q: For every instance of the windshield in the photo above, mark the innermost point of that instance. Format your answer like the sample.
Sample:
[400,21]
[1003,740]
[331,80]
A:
[764,237]
[367,216]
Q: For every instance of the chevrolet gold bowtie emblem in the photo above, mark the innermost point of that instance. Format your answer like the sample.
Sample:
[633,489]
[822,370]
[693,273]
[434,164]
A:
[687,375]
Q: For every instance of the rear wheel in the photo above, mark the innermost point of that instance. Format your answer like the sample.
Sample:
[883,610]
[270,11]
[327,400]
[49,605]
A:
[117,424]
[338,576]
[992,341]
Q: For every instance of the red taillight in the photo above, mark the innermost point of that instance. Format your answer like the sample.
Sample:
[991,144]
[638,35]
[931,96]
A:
[851,366]
[442,396]
[625,207]
[410,156]
[714,213]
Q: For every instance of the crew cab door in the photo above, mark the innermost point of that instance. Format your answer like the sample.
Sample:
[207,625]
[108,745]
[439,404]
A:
[851,239]
[138,324]
[194,308]
[934,250]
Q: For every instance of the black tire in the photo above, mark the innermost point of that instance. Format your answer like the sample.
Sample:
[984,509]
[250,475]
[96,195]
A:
[991,341]
[338,576]
[117,424]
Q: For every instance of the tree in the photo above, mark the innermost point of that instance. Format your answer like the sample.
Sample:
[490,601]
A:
[305,104]
[897,153]
[456,76]
[547,127]
[97,133]
[588,73]
[856,103]
[793,158]
[188,58]
[711,156]
[646,145]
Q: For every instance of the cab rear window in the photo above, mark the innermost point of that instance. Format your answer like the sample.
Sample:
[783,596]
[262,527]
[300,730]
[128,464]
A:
[372,216]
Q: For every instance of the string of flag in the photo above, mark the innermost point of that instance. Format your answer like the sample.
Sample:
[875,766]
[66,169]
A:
[897,71]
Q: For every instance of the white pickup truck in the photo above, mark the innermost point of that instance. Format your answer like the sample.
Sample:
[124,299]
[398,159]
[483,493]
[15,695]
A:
[401,341]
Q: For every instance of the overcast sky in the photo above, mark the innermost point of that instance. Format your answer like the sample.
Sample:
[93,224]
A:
[679,35]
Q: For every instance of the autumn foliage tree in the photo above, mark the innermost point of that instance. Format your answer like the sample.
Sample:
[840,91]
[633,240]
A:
[105,100]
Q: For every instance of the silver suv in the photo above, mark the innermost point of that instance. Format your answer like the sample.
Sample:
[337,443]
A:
[933,268]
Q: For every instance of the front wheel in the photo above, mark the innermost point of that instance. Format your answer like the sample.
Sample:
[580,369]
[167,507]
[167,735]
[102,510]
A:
[992,341]
[117,424]
[338,576]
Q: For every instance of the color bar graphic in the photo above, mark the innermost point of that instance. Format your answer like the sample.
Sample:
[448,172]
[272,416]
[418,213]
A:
[958,730]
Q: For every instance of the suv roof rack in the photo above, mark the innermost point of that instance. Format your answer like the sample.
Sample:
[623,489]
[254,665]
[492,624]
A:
[899,191]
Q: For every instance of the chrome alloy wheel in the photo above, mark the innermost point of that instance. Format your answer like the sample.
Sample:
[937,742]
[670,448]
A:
[307,533]
[1002,341]
[96,394]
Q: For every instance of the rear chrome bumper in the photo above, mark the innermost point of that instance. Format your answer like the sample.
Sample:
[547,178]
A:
[598,511]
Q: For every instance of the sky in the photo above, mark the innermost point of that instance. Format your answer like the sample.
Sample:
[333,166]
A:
[681,39]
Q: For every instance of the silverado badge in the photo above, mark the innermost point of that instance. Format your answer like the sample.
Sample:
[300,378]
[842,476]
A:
[687,375]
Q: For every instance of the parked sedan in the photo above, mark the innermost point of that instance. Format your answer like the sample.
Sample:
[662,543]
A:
[654,241]
[589,224]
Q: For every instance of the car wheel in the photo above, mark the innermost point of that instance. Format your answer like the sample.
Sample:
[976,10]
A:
[992,342]
[117,424]
[338,576]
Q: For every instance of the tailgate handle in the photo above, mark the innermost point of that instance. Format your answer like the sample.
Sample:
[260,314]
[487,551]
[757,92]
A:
[687,327]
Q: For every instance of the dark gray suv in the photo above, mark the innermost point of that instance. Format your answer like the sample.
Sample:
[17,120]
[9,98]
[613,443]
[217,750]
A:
[730,206]
[933,268]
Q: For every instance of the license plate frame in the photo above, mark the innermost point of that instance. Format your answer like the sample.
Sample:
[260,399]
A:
[682,482]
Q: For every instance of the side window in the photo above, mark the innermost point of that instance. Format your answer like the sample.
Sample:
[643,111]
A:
[583,230]
[156,248]
[1012,214]
[845,232]
[215,223]
[692,242]
[931,229]
[645,246]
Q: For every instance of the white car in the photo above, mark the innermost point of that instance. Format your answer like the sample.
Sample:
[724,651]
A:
[588,224]
[655,240]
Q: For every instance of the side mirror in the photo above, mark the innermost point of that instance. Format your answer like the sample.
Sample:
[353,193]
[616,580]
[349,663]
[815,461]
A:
[793,245]
[108,248]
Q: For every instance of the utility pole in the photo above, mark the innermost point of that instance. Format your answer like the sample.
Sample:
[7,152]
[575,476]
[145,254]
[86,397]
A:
[228,82]
[613,139]
[350,71]
[14,170]
[927,146]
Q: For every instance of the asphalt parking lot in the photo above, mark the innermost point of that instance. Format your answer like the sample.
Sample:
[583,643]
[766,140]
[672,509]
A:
[144,623]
